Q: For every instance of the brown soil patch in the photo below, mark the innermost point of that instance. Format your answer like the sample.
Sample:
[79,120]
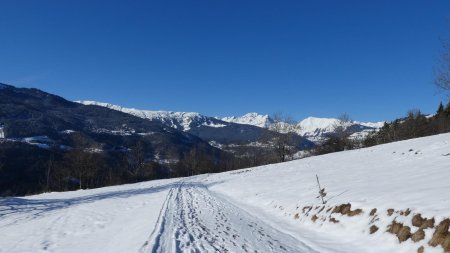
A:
[441,236]
[314,218]
[373,229]
[373,212]
[418,235]
[403,232]
[420,222]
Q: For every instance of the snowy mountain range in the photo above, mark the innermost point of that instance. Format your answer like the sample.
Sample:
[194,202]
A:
[252,118]
[183,121]
[32,117]
[313,128]
[216,131]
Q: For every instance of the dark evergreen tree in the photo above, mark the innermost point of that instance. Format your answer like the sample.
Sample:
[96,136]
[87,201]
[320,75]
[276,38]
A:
[440,109]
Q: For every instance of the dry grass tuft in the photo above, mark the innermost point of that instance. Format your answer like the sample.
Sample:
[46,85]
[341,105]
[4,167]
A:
[446,243]
[354,212]
[418,235]
[373,229]
[296,216]
[332,219]
[373,212]
[420,222]
[321,209]
[346,209]
[314,218]
[406,212]
[421,249]
[403,232]
[441,236]
[394,227]
[342,209]
[390,211]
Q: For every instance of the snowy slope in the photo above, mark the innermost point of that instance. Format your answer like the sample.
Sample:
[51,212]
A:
[269,208]
[411,174]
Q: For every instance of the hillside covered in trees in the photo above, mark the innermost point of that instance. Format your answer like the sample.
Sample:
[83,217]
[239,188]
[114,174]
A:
[50,144]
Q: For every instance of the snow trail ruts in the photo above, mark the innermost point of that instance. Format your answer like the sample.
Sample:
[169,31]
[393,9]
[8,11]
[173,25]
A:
[195,220]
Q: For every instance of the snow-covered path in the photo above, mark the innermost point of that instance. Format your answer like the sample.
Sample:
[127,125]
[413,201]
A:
[197,220]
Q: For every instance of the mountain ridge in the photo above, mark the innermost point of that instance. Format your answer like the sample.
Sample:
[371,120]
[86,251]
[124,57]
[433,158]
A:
[313,128]
[211,129]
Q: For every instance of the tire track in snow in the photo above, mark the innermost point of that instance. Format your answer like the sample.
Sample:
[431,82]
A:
[195,220]
[155,236]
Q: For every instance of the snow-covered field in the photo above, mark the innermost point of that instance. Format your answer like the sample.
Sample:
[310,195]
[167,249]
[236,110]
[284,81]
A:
[264,209]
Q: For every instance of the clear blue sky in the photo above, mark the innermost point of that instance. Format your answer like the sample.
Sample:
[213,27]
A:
[371,59]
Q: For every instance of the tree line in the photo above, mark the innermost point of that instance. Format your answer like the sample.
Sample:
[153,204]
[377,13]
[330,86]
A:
[27,169]
[414,125]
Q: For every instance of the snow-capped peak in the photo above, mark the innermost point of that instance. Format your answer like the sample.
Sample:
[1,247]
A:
[313,126]
[316,128]
[179,120]
[251,118]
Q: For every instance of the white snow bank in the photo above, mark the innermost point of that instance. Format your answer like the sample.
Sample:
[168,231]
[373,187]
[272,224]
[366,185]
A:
[110,219]
[409,174]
